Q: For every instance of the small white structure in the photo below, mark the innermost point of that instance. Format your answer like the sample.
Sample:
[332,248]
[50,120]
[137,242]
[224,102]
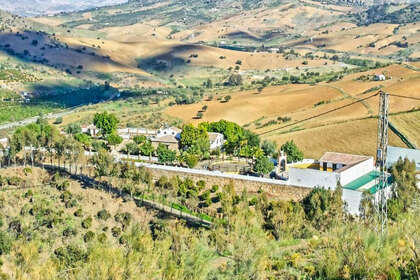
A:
[129,132]
[92,130]
[380,77]
[172,131]
[216,140]
[4,143]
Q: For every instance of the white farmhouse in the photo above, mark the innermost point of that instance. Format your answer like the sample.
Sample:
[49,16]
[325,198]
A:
[355,173]
[92,130]
[216,140]
[172,131]
[380,77]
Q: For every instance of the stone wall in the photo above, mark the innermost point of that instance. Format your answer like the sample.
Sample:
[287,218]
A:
[273,191]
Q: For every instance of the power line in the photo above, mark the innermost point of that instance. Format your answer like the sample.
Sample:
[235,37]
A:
[319,115]
[404,96]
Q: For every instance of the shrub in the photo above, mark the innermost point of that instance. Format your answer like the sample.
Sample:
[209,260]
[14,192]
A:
[14,181]
[201,185]
[116,231]
[66,196]
[214,188]
[78,213]
[69,232]
[71,203]
[29,193]
[5,243]
[103,215]
[64,186]
[27,170]
[101,237]
[123,218]
[70,255]
[88,236]
[87,223]
[15,226]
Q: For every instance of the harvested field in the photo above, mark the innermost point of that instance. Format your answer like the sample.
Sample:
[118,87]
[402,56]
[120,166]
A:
[358,137]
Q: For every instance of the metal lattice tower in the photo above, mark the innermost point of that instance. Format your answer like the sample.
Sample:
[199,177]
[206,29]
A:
[381,154]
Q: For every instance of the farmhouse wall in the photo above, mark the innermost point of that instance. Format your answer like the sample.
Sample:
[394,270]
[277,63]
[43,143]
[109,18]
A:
[278,191]
[356,171]
[311,178]
[353,199]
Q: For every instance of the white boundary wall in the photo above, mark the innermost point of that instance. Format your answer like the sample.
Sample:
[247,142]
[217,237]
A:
[311,178]
[353,199]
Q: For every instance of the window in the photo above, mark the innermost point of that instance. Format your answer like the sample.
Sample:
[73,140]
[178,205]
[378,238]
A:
[324,166]
[334,166]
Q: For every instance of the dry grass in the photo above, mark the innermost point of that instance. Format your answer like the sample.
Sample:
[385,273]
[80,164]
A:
[358,137]
[409,124]
[247,106]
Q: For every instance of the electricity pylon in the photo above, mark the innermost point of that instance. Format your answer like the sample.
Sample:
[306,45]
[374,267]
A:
[381,154]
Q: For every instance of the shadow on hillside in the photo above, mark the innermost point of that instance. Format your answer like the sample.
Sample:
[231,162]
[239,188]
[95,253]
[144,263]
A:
[47,50]
[170,60]
[66,96]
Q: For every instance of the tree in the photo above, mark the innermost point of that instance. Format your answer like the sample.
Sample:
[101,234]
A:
[102,162]
[263,165]
[235,80]
[73,128]
[292,151]
[405,189]
[147,148]
[227,98]
[139,139]
[208,83]
[195,140]
[114,139]
[106,122]
[165,155]
[190,159]
[269,147]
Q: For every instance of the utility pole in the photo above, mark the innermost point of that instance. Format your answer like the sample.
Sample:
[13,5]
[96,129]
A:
[381,154]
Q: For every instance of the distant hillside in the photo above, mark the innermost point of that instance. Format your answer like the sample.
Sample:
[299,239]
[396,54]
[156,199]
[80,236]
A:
[390,13]
[43,7]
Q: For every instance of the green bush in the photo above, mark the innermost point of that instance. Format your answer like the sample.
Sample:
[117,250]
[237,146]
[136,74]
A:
[103,215]
[88,236]
[123,218]
[71,203]
[29,193]
[214,188]
[78,213]
[70,255]
[5,243]
[66,196]
[69,232]
[101,237]
[87,223]
[116,231]
[14,181]
[15,226]
[64,186]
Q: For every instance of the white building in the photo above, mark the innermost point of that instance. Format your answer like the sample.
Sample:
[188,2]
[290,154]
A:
[4,143]
[216,140]
[172,131]
[380,77]
[331,169]
[129,132]
[355,173]
[91,130]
